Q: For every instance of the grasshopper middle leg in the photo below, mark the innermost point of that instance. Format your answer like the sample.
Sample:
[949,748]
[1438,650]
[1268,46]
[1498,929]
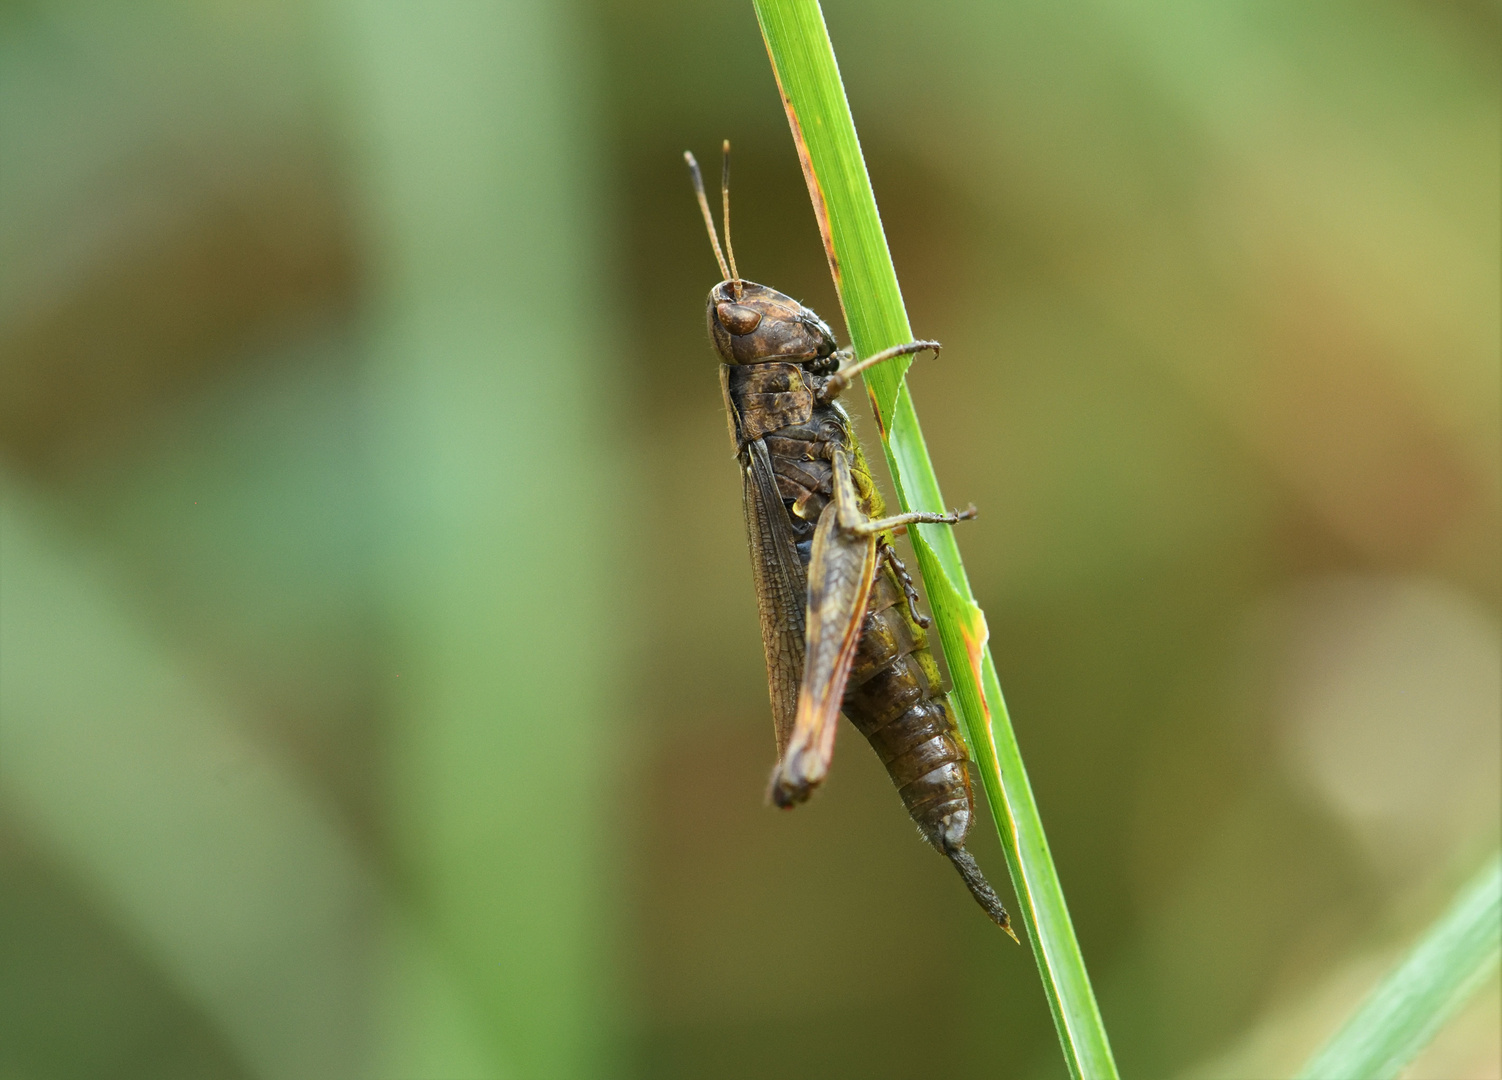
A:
[881,525]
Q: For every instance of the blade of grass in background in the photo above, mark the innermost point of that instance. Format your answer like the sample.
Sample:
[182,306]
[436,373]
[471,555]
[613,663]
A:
[148,785]
[1406,1010]
[481,243]
[804,63]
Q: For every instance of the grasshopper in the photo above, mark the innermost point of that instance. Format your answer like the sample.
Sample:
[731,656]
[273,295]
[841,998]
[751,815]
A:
[840,621]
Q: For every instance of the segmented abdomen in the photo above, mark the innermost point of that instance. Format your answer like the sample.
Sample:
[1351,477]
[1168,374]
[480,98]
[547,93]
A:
[894,699]
[893,695]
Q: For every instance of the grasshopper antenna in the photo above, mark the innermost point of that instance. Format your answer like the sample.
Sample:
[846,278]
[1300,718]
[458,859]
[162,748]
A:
[714,237]
[735,276]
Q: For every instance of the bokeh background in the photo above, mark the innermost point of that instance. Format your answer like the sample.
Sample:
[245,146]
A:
[382,693]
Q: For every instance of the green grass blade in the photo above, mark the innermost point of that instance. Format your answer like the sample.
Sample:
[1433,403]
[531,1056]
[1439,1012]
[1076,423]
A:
[803,61]
[1451,961]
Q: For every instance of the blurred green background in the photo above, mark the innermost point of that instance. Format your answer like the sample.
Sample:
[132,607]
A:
[382,693]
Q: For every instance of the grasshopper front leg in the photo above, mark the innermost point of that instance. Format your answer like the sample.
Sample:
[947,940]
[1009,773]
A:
[838,381]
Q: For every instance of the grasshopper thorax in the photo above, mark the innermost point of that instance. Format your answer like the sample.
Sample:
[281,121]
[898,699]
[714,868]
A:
[752,324]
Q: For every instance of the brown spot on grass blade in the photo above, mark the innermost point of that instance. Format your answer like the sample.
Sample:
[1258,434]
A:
[881,424]
[815,191]
[975,633]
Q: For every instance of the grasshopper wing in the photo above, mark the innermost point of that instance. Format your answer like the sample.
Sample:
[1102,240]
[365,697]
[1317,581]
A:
[840,573]
[780,591]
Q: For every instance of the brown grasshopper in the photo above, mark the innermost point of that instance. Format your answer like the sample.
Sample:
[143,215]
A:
[839,613]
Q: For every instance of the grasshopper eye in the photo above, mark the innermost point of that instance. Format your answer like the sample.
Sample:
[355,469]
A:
[737,318]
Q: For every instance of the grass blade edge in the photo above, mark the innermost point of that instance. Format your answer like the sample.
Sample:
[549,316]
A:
[1451,961]
[844,205]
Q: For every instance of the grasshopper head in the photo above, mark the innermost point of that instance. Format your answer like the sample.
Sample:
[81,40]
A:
[750,324]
